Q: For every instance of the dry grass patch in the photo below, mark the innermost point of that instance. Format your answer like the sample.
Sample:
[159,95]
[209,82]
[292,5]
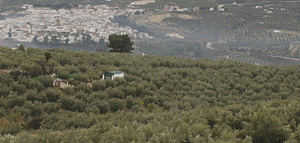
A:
[158,17]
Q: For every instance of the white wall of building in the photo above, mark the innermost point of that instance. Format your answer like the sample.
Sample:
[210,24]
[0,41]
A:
[121,75]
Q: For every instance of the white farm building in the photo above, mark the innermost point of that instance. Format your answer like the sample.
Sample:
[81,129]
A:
[113,74]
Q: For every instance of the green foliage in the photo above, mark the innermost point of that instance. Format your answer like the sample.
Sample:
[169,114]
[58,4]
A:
[19,88]
[5,63]
[116,104]
[48,56]
[99,85]
[14,101]
[22,48]
[35,84]
[32,69]
[4,90]
[47,81]
[120,43]
[53,94]
[129,102]
[63,74]
[160,99]
[81,77]
[267,128]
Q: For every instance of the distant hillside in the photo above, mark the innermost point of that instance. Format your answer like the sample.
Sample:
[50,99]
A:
[160,99]
[261,32]
[249,31]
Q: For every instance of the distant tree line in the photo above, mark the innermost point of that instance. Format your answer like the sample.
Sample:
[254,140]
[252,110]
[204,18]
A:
[86,43]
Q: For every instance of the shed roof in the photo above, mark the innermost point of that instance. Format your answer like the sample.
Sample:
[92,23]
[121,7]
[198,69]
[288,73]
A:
[114,72]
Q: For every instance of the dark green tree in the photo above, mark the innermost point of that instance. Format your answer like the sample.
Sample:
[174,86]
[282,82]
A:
[35,40]
[120,43]
[9,33]
[21,48]
[46,40]
[87,39]
[54,40]
[102,45]
[67,41]
[48,56]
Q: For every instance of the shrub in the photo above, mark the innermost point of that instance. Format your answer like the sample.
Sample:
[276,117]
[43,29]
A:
[4,90]
[129,102]
[63,74]
[98,85]
[47,81]
[116,104]
[16,101]
[53,94]
[67,103]
[34,84]
[115,93]
[19,88]
[81,77]
[103,106]
[7,127]
[34,123]
[266,128]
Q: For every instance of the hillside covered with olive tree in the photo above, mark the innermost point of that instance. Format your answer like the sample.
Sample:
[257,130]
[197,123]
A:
[160,99]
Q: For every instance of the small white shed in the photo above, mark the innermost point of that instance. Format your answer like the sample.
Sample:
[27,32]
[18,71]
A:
[113,74]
